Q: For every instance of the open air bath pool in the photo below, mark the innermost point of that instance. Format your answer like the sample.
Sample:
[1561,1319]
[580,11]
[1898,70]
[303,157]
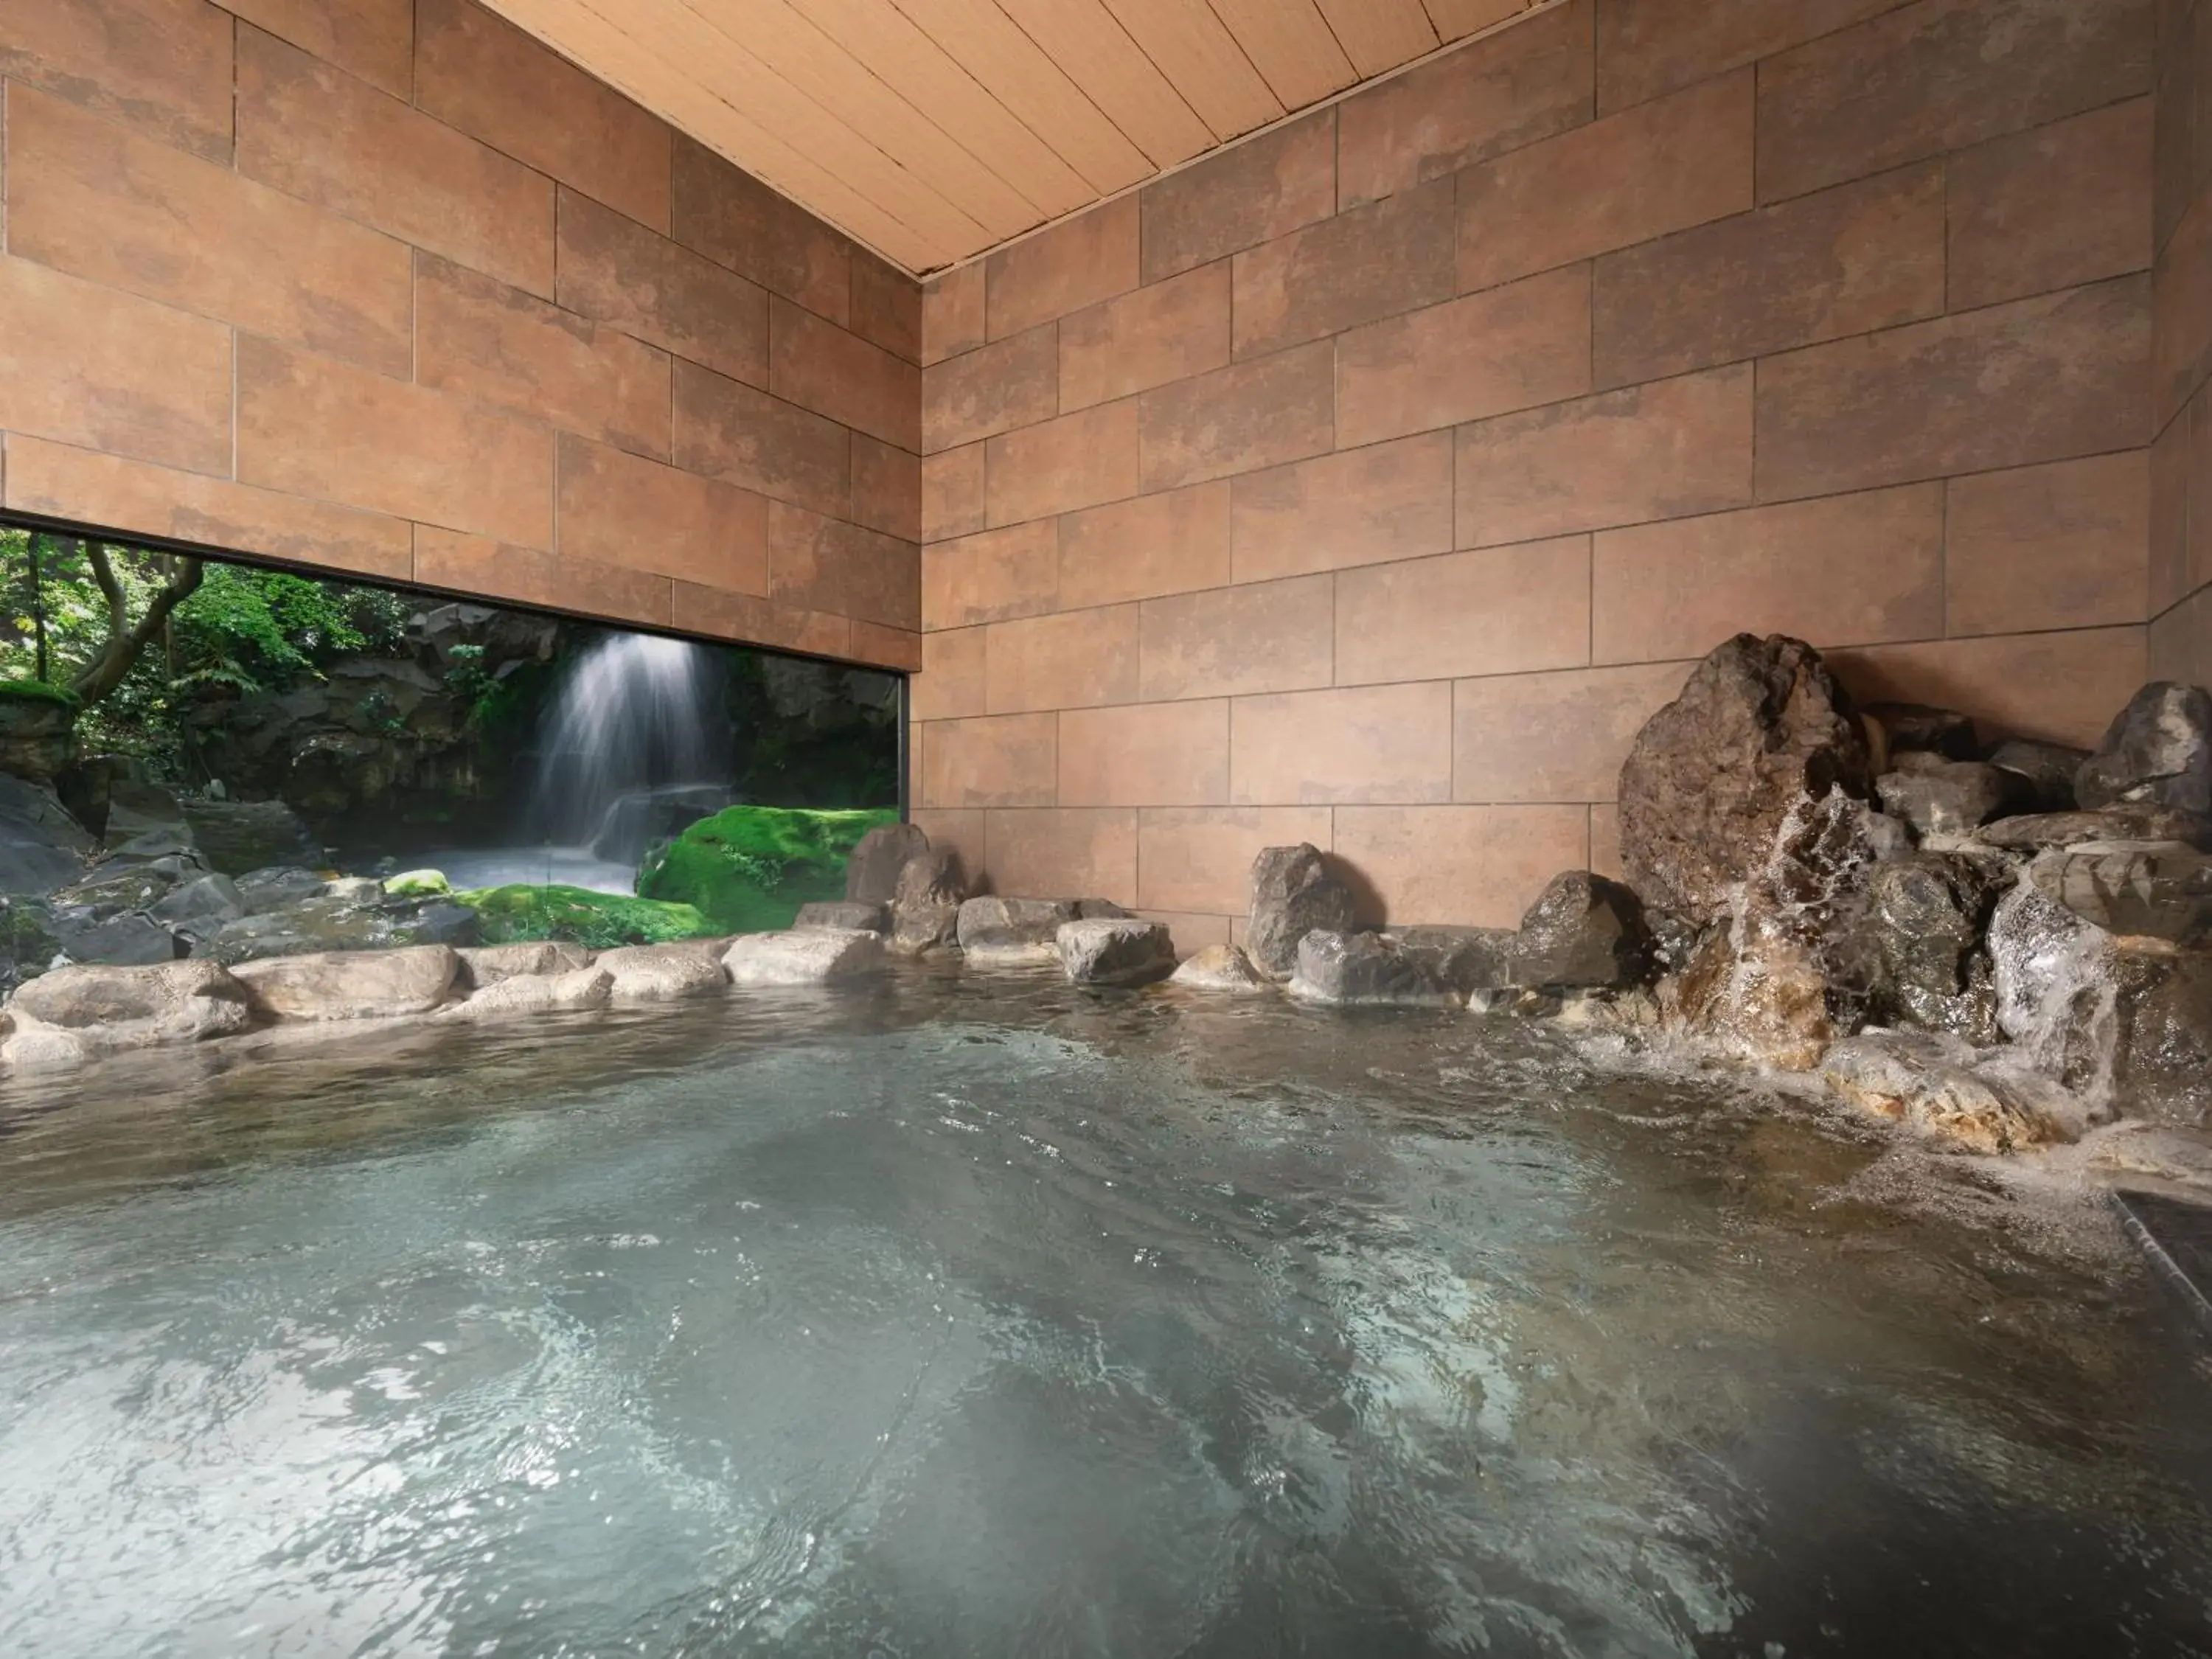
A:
[989,1317]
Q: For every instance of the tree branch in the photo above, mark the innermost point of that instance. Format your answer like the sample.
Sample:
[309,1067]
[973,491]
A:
[106,671]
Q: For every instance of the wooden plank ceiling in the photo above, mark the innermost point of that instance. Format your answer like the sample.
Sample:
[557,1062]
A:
[934,131]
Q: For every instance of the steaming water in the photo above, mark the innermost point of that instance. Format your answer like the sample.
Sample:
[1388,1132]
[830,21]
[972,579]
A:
[954,1318]
[632,714]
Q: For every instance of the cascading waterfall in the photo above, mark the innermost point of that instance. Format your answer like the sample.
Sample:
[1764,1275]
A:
[631,717]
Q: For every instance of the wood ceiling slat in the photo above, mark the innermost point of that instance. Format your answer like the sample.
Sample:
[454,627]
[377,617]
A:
[1195,50]
[896,50]
[1291,45]
[1456,19]
[1082,37]
[1380,34]
[1015,68]
[794,47]
[612,53]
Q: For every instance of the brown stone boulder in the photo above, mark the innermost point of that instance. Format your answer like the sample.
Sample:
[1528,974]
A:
[664,973]
[871,873]
[1760,724]
[485,965]
[576,991]
[1219,968]
[1293,893]
[1582,931]
[1012,932]
[1114,951]
[352,984]
[71,1014]
[867,916]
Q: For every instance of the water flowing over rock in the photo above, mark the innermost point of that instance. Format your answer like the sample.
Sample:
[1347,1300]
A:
[815,957]
[2046,771]
[1219,968]
[352,984]
[871,873]
[1582,931]
[1364,969]
[2154,890]
[871,918]
[630,717]
[1940,797]
[1917,952]
[2157,752]
[1292,894]
[1115,952]
[1934,1089]
[1467,959]
[1011,932]
[1760,724]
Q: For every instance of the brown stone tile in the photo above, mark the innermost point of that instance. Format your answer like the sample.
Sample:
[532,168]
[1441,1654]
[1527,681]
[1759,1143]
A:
[2037,379]
[1083,851]
[2180,641]
[1069,659]
[886,307]
[315,133]
[1007,384]
[1374,742]
[1146,547]
[951,681]
[1659,450]
[886,488]
[1860,257]
[1077,460]
[1005,760]
[477,565]
[62,482]
[1200,859]
[502,346]
[1495,610]
[1265,636]
[1845,570]
[2169,574]
[2200,488]
[1356,507]
[1241,197]
[1605,858]
[953,313]
[1514,347]
[2062,204]
[101,201]
[1646,48]
[315,427]
[616,270]
[2183,139]
[478,72]
[1468,866]
[953,493]
[2184,347]
[1555,737]
[822,367]
[737,221]
[818,563]
[161,65]
[619,508]
[2064,545]
[990,576]
[1154,754]
[1922,79]
[1064,268]
[1522,84]
[1374,261]
[372,39]
[732,432]
[1677,161]
[1168,331]
[1238,419]
[2064,688]
[879,646]
[961,830]
[750,620]
[1190,932]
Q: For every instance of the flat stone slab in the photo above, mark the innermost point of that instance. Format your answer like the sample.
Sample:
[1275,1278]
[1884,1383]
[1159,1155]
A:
[2176,1235]
[809,955]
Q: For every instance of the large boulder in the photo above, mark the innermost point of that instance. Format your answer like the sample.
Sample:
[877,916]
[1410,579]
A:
[1582,931]
[1008,933]
[1759,725]
[2157,752]
[2153,889]
[1219,968]
[866,916]
[871,873]
[1915,943]
[42,848]
[1114,951]
[235,836]
[663,973]
[1292,894]
[483,966]
[352,984]
[1943,797]
[38,730]
[813,956]
[129,938]
[930,876]
[74,1014]
[578,990]
[1364,969]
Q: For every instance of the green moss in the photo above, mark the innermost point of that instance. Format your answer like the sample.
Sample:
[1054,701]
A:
[748,869]
[418,883]
[39,691]
[520,914]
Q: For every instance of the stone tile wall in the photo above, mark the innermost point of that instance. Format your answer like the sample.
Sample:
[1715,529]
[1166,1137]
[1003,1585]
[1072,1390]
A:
[2181,374]
[384,287]
[1368,484]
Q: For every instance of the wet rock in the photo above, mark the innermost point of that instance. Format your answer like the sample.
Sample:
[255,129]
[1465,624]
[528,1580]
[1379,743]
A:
[42,848]
[1219,968]
[2033,832]
[1934,1088]
[1917,728]
[1634,1010]
[2045,770]
[2157,1151]
[1582,930]
[235,836]
[871,873]
[663,973]
[263,890]
[1517,1001]
[1467,959]
[919,928]
[352,984]
[486,965]
[845,913]
[74,1014]
[1006,932]
[1114,951]
[198,909]
[354,890]
[2157,752]
[815,956]
[1943,797]
[128,887]
[438,922]
[1292,894]
[131,939]
[1917,944]
[38,733]
[578,990]
[1760,724]
[2155,890]
[1364,969]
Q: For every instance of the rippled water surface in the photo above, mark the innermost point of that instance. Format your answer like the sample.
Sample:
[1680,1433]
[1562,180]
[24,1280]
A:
[956,1319]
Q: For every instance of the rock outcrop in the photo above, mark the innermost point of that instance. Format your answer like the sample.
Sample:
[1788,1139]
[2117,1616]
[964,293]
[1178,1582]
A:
[1293,893]
[814,956]
[1114,951]
[2157,752]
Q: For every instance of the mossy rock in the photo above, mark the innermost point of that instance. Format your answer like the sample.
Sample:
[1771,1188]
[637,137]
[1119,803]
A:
[522,914]
[418,883]
[749,869]
[39,691]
